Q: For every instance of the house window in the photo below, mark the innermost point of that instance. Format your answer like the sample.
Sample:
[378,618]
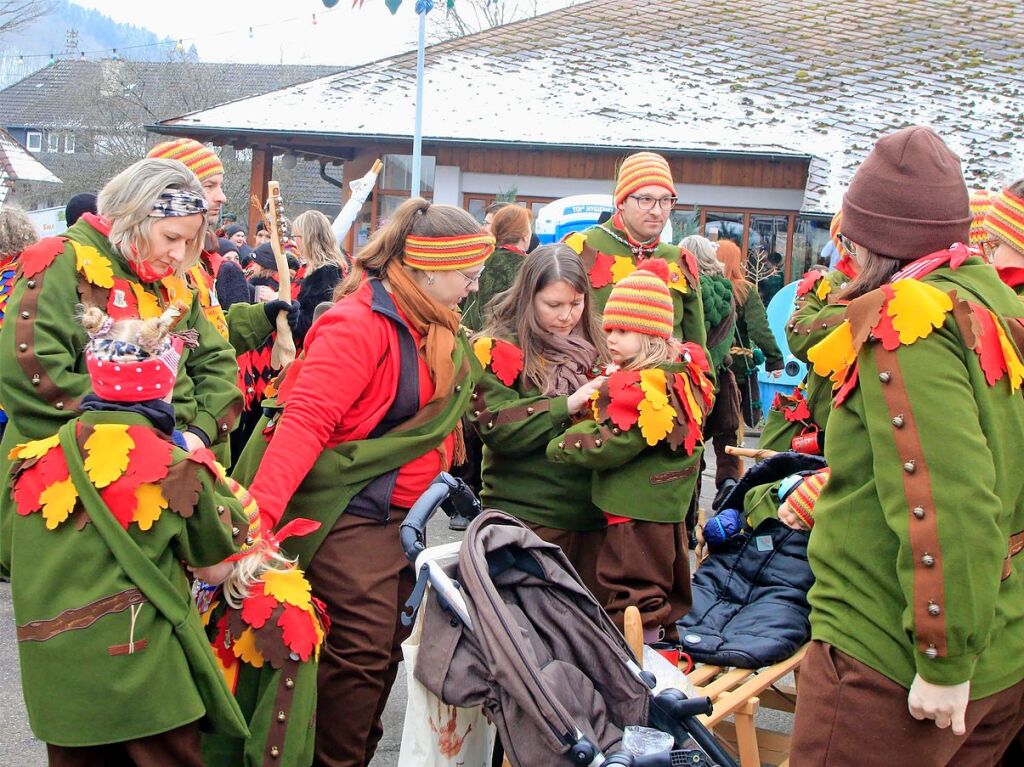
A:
[52,142]
[69,143]
[34,141]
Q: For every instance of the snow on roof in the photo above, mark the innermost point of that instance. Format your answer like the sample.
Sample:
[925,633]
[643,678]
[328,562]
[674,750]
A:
[18,164]
[807,77]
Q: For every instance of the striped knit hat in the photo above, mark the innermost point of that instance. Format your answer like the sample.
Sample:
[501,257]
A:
[980,201]
[805,496]
[640,170]
[1005,219]
[641,302]
[446,254]
[198,158]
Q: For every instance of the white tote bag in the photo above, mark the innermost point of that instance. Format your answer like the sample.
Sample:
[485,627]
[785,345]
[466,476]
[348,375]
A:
[436,734]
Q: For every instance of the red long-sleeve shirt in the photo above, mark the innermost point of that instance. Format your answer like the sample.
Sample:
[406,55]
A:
[346,384]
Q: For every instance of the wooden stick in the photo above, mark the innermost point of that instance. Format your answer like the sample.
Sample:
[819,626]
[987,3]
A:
[749,452]
[284,347]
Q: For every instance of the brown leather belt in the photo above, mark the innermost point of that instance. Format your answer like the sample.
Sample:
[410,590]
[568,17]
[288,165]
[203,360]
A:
[1016,547]
[79,617]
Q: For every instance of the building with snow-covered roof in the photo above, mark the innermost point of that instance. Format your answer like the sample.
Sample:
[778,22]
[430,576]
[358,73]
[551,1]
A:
[763,111]
[19,169]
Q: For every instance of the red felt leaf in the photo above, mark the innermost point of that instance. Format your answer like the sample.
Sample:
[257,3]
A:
[625,398]
[298,632]
[848,386]
[38,257]
[697,356]
[989,350]
[797,410]
[690,266]
[884,330]
[257,607]
[220,643]
[122,304]
[506,361]
[204,457]
[48,469]
[601,272]
[120,498]
[807,282]
[321,611]
[151,457]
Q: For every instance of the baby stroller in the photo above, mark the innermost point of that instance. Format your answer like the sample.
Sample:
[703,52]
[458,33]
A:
[510,626]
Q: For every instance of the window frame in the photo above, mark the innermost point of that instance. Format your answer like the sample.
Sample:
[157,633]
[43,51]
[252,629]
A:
[38,137]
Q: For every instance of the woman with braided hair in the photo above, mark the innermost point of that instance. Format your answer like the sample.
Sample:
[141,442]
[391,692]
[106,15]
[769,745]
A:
[370,416]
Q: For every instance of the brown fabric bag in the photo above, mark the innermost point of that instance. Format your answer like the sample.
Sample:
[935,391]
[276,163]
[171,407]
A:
[543,659]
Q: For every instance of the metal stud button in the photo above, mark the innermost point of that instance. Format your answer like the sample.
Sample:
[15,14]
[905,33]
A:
[289,683]
[35,379]
[281,716]
[274,752]
[932,652]
[458,388]
[918,512]
[616,431]
[490,424]
[934,609]
[578,445]
[897,421]
[31,284]
[23,347]
[59,406]
[476,413]
[234,531]
[25,315]
[224,428]
[529,411]
[885,376]
[910,466]
[248,540]
[561,446]
[928,560]
[597,443]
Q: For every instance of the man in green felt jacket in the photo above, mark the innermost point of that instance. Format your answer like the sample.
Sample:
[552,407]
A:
[915,610]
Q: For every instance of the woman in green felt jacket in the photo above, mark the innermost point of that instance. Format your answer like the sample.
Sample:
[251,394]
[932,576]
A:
[916,607]
[541,353]
[643,446]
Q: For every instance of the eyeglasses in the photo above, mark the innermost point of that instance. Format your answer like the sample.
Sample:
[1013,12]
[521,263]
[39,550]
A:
[470,280]
[647,203]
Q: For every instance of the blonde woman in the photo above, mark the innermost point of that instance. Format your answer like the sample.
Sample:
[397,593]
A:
[325,265]
[129,260]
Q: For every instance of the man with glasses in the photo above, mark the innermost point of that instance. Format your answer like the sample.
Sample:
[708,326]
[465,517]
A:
[644,198]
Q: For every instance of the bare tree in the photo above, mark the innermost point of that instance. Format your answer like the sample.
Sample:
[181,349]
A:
[15,14]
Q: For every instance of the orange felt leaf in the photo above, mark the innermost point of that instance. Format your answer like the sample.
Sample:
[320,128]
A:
[244,648]
[676,279]
[1013,363]
[652,384]
[601,272]
[257,607]
[298,632]
[38,257]
[576,241]
[107,453]
[93,265]
[149,505]
[834,354]
[58,501]
[655,421]
[884,330]
[482,350]
[289,586]
[506,361]
[148,305]
[807,282]
[793,408]
[177,290]
[917,309]
[34,449]
[824,288]
[624,398]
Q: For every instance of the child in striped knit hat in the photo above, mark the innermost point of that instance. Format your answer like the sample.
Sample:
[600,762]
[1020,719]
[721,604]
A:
[1004,223]
[644,444]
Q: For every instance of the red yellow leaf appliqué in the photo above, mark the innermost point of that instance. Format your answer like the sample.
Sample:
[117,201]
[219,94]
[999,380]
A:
[677,279]
[506,361]
[482,350]
[122,303]
[149,505]
[807,282]
[244,648]
[601,272]
[624,398]
[37,258]
[917,309]
[107,451]
[689,260]
[46,470]
[148,305]
[824,288]
[151,456]
[58,501]
[257,607]
[793,406]
[93,265]
[35,449]
[622,267]
[834,354]
[297,630]
[996,353]
[289,586]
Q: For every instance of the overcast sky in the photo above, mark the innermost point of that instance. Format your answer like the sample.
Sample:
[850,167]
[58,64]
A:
[282,32]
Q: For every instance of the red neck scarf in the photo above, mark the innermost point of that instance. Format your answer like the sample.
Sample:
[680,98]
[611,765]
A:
[142,269]
[619,231]
[1013,276]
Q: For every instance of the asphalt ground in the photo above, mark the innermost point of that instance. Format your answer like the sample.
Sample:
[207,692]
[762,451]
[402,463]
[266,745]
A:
[19,749]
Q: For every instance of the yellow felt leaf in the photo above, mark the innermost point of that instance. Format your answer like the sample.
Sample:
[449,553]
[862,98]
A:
[833,355]
[676,279]
[576,241]
[691,401]
[58,501]
[652,384]
[917,309]
[655,422]
[319,636]
[482,350]
[149,307]
[1013,363]
[244,648]
[93,265]
[287,586]
[35,449]
[824,288]
[177,290]
[205,616]
[150,504]
[107,453]
[622,268]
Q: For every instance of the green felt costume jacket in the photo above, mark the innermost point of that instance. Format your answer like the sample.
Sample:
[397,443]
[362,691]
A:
[502,267]
[102,660]
[632,477]
[248,327]
[752,331]
[42,367]
[515,423]
[915,531]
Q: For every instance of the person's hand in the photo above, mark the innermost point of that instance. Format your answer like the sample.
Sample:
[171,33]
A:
[213,574]
[275,307]
[945,704]
[582,395]
[265,293]
[789,518]
[192,442]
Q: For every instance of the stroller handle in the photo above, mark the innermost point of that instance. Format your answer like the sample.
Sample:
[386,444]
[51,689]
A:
[412,533]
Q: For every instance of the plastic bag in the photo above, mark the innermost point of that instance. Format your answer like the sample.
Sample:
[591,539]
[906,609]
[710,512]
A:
[436,734]
[667,675]
[641,741]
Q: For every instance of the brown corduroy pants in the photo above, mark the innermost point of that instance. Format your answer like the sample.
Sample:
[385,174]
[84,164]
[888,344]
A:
[362,575]
[849,715]
[646,564]
[175,748]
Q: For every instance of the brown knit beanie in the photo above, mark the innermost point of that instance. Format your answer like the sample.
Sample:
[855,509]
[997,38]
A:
[908,198]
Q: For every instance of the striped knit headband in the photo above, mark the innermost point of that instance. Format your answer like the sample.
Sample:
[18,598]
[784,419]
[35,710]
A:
[447,254]
[1005,219]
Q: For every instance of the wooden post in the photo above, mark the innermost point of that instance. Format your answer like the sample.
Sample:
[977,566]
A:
[260,175]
